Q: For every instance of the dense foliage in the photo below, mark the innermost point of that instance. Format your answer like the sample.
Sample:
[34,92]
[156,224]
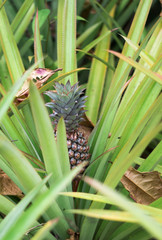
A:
[112,49]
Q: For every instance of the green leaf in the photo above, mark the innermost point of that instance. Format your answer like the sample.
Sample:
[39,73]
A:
[38,54]
[121,216]
[108,20]
[62,146]
[22,20]
[13,133]
[17,161]
[42,233]
[40,204]
[10,49]
[81,18]
[6,205]
[21,14]
[66,37]
[2,4]
[45,134]
[64,202]
[97,77]
[150,161]
[154,208]
[7,100]
[93,44]
[124,158]
[143,54]
[18,210]
[4,165]
[141,216]
[42,17]
[87,33]
[133,63]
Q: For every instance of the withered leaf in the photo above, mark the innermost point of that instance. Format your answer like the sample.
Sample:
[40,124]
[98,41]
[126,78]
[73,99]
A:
[8,187]
[85,130]
[87,122]
[144,187]
[39,76]
[86,126]
[73,235]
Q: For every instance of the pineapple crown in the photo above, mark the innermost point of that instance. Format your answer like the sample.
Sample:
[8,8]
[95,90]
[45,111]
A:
[67,102]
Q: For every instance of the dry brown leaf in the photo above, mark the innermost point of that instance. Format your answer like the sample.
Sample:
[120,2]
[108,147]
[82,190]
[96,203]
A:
[86,126]
[39,76]
[85,130]
[87,122]
[144,187]
[8,187]
[73,235]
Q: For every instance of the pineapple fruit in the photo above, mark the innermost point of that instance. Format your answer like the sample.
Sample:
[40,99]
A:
[68,102]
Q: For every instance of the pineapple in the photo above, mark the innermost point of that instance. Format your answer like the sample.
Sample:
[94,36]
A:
[68,102]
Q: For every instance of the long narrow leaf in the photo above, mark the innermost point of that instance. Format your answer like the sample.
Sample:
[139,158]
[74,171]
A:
[102,199]
[6,205]
[21,13]
[121,216]
[7,100]
[66,37]
[113,177]
[20,165]
[42,233]
[150,161]
[45,133]
[41,203]
[93,44]
[62,147]
[144,55]
[24,22]
[87,33]
[14,215]
[141,215]
[148,72]
[125,162]
[10,49]
[38,54]
[97,77]
[64,203]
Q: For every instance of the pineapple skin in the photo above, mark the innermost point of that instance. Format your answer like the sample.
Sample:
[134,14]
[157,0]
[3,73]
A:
[77,148]
[68,102]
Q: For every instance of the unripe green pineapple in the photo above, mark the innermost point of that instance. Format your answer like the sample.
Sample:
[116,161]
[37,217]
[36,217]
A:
[68,102]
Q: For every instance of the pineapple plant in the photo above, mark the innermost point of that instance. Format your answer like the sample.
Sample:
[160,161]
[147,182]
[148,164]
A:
[68,102]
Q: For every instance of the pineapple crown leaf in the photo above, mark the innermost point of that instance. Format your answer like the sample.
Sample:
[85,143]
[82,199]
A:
[65,89]
[51,94]
[67,102]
